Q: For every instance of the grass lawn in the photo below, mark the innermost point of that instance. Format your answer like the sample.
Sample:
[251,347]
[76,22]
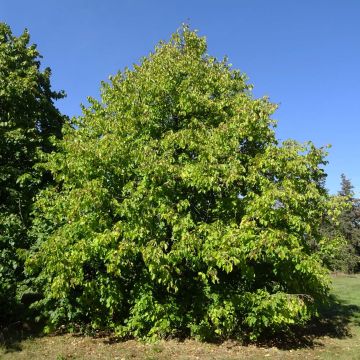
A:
[335,336]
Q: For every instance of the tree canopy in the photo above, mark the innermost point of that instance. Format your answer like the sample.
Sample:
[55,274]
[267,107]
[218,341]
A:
[175,209]
[28,118]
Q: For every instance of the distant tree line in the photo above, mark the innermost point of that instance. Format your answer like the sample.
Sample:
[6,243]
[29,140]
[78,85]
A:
[347,230]
[168,208]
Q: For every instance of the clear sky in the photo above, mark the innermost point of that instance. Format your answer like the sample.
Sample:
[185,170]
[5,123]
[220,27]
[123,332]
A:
[305,55]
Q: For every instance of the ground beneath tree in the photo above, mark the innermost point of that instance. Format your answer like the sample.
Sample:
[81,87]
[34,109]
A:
[335,336]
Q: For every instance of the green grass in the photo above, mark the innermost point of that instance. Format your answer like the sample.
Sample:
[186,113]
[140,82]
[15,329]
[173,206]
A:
[347,288]
[336,335]
[346,311]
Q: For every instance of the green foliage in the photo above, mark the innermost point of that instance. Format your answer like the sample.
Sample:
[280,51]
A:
[176,211]
[347,256]
[350,224]
[27,120]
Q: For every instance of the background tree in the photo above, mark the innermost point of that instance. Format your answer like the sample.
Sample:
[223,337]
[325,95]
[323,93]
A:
[349,226]
[176,210]
[345,232]
[28,118]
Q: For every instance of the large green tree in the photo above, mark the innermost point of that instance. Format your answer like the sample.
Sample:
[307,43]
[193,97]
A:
[28,118]
[177,211]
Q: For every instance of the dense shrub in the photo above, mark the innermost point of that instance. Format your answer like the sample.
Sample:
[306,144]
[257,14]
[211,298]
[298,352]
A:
[176,211]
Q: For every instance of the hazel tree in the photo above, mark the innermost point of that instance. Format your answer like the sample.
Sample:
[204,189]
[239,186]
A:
[176,210]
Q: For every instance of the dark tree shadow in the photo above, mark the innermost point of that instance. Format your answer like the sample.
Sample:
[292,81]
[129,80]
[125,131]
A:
[334,321]
[12,334]
[20,326]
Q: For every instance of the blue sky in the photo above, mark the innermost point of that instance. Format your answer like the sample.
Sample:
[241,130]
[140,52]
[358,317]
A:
[305,55]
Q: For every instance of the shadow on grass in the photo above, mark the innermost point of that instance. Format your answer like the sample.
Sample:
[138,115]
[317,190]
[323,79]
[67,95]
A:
[334,322]
[11,335]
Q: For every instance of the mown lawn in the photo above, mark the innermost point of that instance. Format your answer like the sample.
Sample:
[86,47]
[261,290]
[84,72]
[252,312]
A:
[335,336]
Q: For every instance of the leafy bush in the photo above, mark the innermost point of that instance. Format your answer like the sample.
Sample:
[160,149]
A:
[176,211]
